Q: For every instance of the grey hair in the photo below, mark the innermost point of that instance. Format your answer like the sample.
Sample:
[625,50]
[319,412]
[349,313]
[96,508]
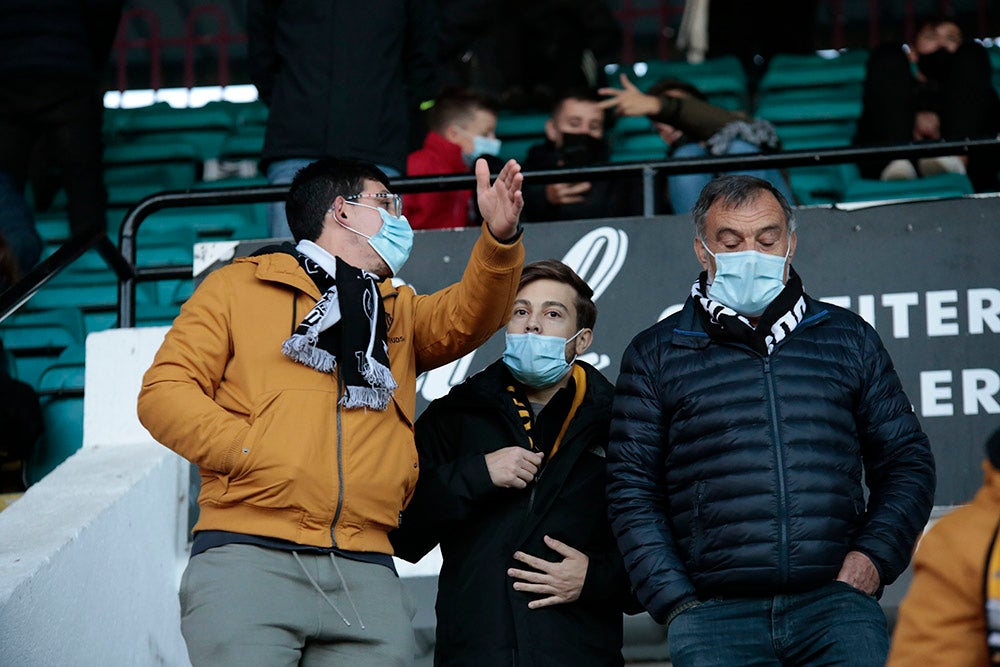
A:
[736,190]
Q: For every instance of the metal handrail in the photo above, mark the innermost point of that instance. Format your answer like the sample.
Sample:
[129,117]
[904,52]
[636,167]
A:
[647,170]
[122,260]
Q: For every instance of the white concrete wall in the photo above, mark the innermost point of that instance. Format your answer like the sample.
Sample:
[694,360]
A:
[91,556]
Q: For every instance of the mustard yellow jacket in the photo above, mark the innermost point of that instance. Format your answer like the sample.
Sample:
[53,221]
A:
[278,456]
[942,618]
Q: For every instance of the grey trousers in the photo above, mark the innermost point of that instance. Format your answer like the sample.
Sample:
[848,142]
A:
[243,605]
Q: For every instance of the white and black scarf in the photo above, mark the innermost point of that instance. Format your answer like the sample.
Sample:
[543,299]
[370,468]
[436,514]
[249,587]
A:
[347,323]
[776,322]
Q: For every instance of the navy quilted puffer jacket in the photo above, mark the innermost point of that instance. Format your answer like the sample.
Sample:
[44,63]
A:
[735,474]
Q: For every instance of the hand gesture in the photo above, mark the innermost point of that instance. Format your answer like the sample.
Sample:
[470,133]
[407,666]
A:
[501,204]
[859,571]
[566,193]
[926,125]
[561,582]
[513,467]
[629,101]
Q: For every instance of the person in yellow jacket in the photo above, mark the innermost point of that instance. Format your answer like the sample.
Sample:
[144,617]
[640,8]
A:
[944,618]
[289,379]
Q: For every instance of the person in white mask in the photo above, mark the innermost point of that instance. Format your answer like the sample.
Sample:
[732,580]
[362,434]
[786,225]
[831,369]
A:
[462,126]
[289,379]
[512,487]
[745,430]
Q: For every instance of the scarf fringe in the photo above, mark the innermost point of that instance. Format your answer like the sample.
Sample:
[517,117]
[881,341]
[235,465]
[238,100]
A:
[376,398]
[303,349]
[378,375]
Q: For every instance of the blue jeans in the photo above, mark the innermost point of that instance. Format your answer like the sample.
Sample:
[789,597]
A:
[832,625]
[283,171]
[683,190]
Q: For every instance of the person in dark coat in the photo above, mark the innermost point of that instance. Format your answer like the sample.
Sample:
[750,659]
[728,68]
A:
[575,137]
[339,79]
[743,427]
[52,58]
[937,88]
[512,479]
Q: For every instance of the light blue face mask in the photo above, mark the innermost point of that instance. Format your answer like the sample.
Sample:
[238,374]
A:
[480,146]
[486,146]
[747,281]
[535,360]
[393,241]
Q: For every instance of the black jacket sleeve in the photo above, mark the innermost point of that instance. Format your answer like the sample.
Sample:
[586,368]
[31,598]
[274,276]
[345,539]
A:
[448,489]
[899,466]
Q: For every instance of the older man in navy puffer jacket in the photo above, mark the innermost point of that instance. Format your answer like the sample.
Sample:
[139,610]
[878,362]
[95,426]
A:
[743,426]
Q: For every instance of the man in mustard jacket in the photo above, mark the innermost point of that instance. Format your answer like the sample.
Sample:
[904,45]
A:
[945,618]
[289,379]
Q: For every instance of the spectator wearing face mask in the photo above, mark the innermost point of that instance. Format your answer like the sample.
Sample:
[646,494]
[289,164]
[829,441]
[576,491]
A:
[463,127]
[937,88]
[574,137]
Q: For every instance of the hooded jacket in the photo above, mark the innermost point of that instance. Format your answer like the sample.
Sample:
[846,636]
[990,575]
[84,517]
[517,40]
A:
[279,457]
[481,619]
[740,475]
[942,619]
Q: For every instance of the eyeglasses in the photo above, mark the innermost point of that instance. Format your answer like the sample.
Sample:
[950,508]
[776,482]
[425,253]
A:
[391,202]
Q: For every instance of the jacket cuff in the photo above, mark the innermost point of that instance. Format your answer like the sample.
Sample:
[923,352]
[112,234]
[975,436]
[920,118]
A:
[687,603]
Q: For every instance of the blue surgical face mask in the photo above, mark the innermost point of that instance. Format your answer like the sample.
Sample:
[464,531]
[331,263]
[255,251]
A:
[393,241]
[535,360]
[486,146]
[747,281]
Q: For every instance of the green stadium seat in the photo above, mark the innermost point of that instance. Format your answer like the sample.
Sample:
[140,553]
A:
[34,339]
[638,147]
[789,71]
[60,387]
[519,124]
[928,187]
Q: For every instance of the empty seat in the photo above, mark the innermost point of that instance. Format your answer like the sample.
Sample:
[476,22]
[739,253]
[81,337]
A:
[35,339]
[60,389]
[937,186]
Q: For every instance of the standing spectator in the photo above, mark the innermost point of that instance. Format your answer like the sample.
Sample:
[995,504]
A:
[692,127]
[742,429]
[339,78]
[937,88]
[527,53]
[512,486]
[574,137]
[463,126]
[951,613]
[289,379]
[52,55]
[756,31]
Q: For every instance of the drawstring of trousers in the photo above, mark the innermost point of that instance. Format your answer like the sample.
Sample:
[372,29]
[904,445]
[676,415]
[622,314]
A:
[343,582]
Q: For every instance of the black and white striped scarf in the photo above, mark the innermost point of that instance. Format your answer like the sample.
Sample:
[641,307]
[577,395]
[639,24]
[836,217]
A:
[776,322]
[347,323]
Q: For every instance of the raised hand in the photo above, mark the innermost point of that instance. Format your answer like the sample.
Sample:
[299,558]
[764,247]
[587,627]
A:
[501,204]
[561,581]
[629,101]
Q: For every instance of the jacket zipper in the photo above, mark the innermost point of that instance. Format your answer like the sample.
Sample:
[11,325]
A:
[780,465]
[340,462]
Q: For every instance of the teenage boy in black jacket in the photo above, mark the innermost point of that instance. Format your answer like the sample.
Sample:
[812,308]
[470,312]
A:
[512,486]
